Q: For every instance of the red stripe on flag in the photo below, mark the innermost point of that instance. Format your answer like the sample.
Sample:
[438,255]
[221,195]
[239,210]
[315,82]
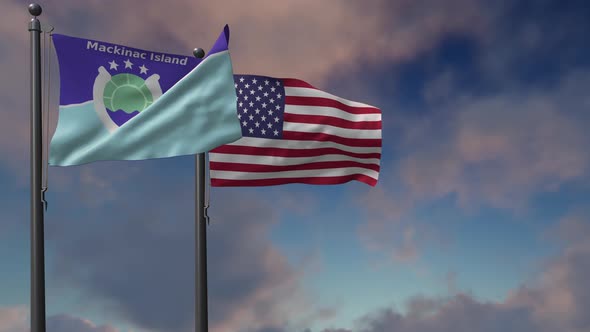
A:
[215,182]
[284,152]
[326,102]
[332,121]
[295,83]
[300,136]
[255,168]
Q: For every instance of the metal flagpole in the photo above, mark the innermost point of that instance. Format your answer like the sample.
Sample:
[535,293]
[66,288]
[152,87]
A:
[201,313]
[37,236]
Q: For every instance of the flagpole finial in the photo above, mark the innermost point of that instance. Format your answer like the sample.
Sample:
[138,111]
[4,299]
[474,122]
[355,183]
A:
[35,9]
[199,53]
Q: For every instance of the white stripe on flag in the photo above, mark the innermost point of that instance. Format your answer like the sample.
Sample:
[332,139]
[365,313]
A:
[313,173]
[307,92]
[272,160]
[294,144]
[330,130]
[330,111]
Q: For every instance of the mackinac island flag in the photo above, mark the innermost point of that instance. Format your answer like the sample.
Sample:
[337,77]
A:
[296,133]
[123,103]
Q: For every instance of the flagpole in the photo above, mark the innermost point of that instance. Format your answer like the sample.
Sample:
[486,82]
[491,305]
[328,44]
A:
[201,312]
[201,247]
[37,236]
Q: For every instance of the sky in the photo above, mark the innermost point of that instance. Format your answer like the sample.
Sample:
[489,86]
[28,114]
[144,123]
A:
[479,221]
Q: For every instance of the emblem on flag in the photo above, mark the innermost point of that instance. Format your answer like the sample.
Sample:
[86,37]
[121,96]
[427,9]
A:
[119,98]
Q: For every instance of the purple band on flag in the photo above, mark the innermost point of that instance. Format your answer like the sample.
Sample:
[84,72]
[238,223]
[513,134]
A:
[80,59]
[222,43]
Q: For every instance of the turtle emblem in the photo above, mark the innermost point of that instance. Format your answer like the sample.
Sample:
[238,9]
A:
[119,98]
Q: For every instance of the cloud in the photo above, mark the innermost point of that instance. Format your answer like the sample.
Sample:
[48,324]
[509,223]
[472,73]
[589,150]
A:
[495,151]
[150,241]
[268,36]
[390,229]
[460,313]
[500,150]
[68,323]
[561,296]
[15,319]
[555,299]
[14,87]
[500,119]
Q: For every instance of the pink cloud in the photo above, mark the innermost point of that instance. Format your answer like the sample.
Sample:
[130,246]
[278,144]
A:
[560,295]
[13,319]
[491,151]
[499,150]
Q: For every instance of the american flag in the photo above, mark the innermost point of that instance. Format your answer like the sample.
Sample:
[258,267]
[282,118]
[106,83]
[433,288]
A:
[293,132]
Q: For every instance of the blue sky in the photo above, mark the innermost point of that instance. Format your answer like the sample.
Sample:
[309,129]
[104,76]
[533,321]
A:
[478,222]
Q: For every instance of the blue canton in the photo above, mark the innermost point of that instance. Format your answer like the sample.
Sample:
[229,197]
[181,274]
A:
[261,105]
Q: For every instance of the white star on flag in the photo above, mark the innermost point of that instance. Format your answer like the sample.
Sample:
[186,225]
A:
[128,64]
[114,65]
[143,70]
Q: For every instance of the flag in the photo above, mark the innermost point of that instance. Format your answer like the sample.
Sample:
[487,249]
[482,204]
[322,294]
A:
[123,103]
[295,133]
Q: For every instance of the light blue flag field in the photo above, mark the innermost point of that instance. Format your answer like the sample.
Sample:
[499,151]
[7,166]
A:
[123,103]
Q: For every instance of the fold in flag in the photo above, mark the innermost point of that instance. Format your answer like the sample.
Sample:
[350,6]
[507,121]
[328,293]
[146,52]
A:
[123,103]
[296,133]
